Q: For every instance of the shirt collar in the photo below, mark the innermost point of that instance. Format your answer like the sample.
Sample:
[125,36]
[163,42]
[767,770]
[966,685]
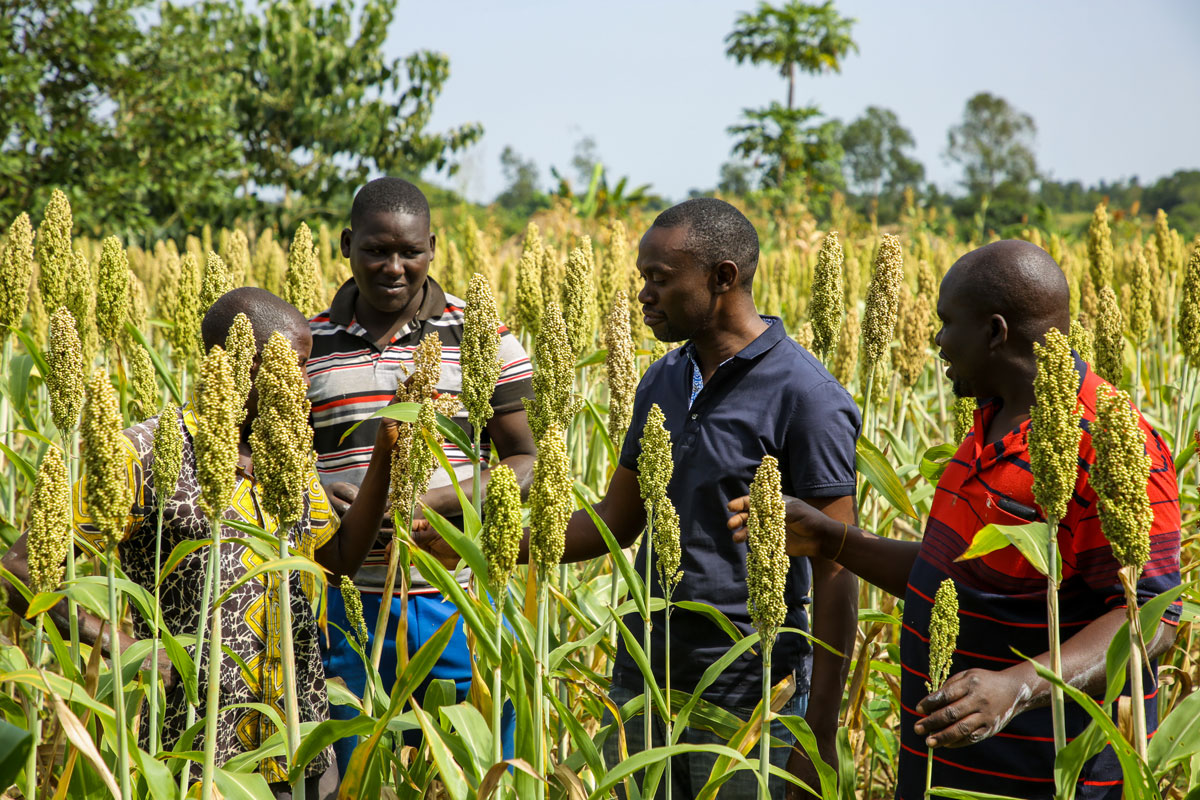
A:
[341,310]
[772,336]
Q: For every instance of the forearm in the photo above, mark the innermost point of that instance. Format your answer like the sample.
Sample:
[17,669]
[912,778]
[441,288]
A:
[444,500]
[886,563]
[359,528]
[835,622]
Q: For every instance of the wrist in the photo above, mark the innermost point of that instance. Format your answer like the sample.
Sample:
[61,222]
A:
[833,539]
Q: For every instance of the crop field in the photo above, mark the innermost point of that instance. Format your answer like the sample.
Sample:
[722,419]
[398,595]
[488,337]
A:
[103,332]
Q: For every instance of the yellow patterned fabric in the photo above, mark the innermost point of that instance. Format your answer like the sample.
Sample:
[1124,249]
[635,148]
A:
[250,617]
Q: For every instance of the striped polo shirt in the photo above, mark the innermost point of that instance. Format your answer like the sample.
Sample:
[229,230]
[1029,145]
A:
[352,378]
[1003,602]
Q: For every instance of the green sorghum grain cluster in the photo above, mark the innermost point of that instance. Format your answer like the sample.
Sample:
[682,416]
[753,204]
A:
[281,439]
[1100,249]
[1141,307]
[215,282]
[1189,310]
[825,308]
[54,251]
[766,558]
[964,417]
[16,269]
[549,502]
[241,347]
[106,487]
[426,371]
[1054,431]
[217,417]
[137,305]
[655,462]
[579,298]
[49,540]
[553,374]
[529,282]
[64,357]
[81,299]
[1110,343]
[474,252]
[1162,242]
[352,600]
[143,381]
[1160,284]
[236,255]
[943,634]
[883,300]
[1080,340]
[620,367]
[668,552]
[112,291]
[1120,476]
[413,462]
[500,538]
[302,283]
[614,276]
[184,310]
[846,358]
[552,278]
[914,331]
[480,351]
[168,452]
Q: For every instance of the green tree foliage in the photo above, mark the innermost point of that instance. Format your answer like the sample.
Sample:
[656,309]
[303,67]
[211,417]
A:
[877,151]
[522,194]
[788,151]
[994,144]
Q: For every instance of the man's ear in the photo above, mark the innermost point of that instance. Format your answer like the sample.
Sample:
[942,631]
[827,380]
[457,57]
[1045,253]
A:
[997,331]
[432,245]
[346,235]
[724,277]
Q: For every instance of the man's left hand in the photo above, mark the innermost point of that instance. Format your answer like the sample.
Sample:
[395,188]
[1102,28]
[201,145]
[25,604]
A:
[971,706]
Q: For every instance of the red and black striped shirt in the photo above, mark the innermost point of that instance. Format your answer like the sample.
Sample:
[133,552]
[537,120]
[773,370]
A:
[1002,601]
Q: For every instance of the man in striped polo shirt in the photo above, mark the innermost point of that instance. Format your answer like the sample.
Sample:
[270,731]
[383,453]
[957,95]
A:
[362,347]
[989,726]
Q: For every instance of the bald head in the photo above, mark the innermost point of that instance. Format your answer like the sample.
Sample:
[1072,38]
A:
[266,312]
[1017,280]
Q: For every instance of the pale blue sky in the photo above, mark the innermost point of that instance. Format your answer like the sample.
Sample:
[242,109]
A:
[1113,86]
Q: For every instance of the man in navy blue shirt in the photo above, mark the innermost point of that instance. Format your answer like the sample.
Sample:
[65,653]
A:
[738,390]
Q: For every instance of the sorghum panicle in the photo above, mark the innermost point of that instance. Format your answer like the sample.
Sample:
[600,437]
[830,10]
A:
[620,367]
[64,357]
[1110,344]
[1189,309]
[168,452]
[480,351]
[964,417]
[54,251]
[16,269]
[302,287]
[185,310]
[143,381]
[825,308]
[1100,249]
[242,347]
[766,558]
[112,291]
[282,440]
[667,550]
[352,599]
[412,460]
[529,282]
[1080,340]
[1162,242]
[426,371]
[49,541]
[500,538]
[217,435]
[549,502]
[236,255]
[216,282]
[943,634]
[81,299]
[106,487]
[553,375]
[1054,431]
[915,329]
[614,276]
[1140,309]
[579,297]
[846,359]
[1120,476]
[655,462]
[883,299]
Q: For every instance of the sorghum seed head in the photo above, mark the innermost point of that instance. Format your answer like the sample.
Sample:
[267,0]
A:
[1140,309]
[549,502]
[1110,343]
[883,299]
[846,359]
[49,540]
[112,291]
[106,488]
[655,463]
[236,255]
[825,309]
[1189,308]
[579,297]
[302,284]
[1120,476]
[168,452]
[352,599]
[143,381]
[766,559]
[426,371]
[242,348]
[529,282]
[553,375]
[1100,249]
[1080,340]
[16,269]
[614,275]
[81,299]
[65,381]
[667,550]
[54,251]
[1054,432]
[943,634]
[281,439]
[216,282]
[500,538]
[964,417]
[480,351]
[217,435]
[620,368]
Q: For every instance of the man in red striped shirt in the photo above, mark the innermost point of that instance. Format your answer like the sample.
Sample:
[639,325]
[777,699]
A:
[989,727]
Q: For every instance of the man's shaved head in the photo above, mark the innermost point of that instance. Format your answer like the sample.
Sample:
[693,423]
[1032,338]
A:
[267,314]
[1017,280]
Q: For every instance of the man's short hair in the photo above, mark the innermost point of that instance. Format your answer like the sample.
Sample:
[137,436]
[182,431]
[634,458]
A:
[717,232]
[392,195]
[267,313]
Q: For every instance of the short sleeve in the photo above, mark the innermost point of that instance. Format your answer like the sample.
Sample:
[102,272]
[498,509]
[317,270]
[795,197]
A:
[820,443]
[135,476]
[1094,559]
[322,518]
[516,372]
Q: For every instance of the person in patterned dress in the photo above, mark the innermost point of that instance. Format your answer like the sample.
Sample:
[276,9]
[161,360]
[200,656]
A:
[250,617]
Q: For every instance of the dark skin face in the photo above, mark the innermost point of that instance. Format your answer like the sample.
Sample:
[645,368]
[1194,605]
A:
[966,338]
[389,254]
[677,298]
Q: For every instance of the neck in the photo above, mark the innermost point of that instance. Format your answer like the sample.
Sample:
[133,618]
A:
[729,334]
[383,325]
[1017,398]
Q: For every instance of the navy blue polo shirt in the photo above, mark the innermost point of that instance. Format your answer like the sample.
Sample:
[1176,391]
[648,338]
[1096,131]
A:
[772,398]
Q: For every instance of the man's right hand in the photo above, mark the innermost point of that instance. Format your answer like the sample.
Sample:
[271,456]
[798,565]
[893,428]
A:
[809,532]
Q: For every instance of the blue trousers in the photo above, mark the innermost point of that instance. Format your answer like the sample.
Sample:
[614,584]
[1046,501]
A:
[426,613]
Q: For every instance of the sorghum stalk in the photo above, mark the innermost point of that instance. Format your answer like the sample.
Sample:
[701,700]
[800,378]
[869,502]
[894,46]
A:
[943,638]
[168,460]
[501,543]
[1053,453]
[766,580]
[1120,476]
[281,444]
[825,309]
[109,498]
[480,361]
